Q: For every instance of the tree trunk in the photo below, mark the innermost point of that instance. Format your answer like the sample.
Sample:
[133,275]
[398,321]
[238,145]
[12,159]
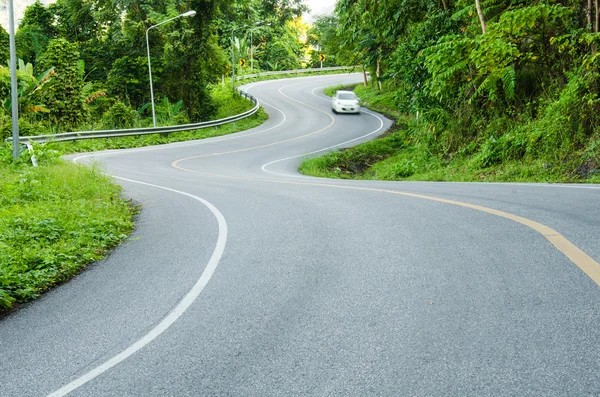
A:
[597,25]
[480,14]
[588,14]
[445,5]
[378,73]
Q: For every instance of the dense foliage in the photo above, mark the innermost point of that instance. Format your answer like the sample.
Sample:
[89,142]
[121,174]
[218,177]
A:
[84,63]
[491,82]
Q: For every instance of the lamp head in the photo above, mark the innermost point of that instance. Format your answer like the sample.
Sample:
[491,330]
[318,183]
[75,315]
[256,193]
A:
[190,13]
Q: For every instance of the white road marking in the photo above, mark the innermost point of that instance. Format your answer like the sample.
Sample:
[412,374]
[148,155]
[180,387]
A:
[206,275]
[264,166]
[174,314]
[187,300]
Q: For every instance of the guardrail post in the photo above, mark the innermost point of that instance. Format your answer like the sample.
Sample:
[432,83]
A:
[33,159]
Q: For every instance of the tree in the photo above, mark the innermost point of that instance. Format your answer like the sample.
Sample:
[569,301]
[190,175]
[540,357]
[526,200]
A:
[4,47]
[324,37]
[29,92]
[34,32]
[282,50]
[63,96]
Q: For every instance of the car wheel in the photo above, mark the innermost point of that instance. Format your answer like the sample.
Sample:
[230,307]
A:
[334,111]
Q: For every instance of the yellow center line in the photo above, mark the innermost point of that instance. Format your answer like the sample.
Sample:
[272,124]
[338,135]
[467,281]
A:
[269,144]
[588,265]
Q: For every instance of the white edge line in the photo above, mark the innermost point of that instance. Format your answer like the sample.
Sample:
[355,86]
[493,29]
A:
[174,314]
[264,167]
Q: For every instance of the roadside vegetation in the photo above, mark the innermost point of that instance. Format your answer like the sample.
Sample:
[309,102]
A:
[406,153]
[82,65]
[228,104]
[54,220]
[480,91]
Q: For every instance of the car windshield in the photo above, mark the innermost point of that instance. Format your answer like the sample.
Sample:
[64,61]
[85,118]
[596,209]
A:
[346,96]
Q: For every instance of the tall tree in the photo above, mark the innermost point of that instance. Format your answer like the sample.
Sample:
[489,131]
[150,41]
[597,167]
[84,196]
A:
[4,47]
[34,32]
[63,96]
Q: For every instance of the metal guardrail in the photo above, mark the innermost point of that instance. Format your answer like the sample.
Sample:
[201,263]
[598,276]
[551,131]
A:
[297,71]
[73,136]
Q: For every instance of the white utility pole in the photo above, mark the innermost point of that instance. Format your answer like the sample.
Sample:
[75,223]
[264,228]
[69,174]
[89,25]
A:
[13,80]
[190,13]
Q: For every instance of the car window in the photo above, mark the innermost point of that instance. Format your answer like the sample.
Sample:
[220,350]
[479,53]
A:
[346,96]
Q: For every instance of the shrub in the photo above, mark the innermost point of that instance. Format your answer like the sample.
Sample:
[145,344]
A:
[119,115]
[63,96]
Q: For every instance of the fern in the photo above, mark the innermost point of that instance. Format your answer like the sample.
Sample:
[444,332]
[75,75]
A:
[488,86]
[509,78]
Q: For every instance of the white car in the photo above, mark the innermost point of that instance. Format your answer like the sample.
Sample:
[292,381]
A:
[345,102]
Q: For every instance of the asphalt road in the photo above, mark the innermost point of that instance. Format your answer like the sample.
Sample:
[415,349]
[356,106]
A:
[244,278]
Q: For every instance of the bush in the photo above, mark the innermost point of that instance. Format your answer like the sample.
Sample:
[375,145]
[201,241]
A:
[119,116]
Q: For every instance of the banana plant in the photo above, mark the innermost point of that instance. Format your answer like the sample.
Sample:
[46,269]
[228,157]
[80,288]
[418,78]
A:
[29,88]
[166,112]
[242,47]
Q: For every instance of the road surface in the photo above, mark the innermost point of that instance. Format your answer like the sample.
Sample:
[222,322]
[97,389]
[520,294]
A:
[244,278]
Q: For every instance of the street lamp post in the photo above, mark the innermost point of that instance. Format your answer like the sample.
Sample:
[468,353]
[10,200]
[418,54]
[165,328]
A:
[233,56]
[13,80]
[251,43]
[232,60]
[233,52]
[190,13]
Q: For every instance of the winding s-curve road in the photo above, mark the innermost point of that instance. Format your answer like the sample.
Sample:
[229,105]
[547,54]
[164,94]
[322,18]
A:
[244,278]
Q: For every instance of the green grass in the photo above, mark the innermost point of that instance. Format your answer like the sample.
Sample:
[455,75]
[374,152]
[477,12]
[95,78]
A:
[405,153]
[54,220]
[352,163]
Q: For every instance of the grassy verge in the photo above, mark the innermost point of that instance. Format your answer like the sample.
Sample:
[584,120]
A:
[405,153]
[54,220]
